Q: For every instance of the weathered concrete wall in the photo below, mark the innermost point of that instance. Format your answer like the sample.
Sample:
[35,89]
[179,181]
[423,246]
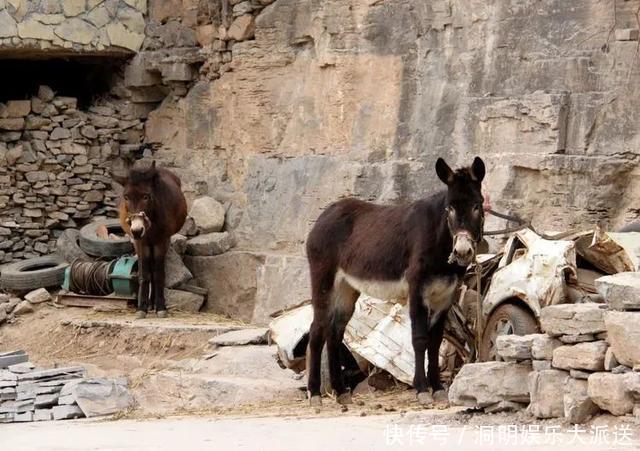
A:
[326,98]
[72,26]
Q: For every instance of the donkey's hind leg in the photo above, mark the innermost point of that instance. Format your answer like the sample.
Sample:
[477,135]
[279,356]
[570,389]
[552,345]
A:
[321,291]
[343,304]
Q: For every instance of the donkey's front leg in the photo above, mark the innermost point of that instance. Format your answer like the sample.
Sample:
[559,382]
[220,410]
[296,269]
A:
[433,355]
[419,338]
[145,263]
[158,278]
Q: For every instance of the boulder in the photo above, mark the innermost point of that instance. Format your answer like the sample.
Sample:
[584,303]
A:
[208,214]
[209,244]
[621,291]
[241,337]
[22,308]
[578,406]
[66,412]
[183,301]
[543,346]
[572,319]
[611,391]
[97,397]
[623,331]
[514,347]
[487,383]
[544,387]
[176,271]
[38,296]
[582,356]
[179,243]
[252,286]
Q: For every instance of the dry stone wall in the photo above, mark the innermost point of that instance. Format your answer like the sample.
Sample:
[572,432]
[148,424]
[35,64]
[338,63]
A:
[55,163]
[67,26]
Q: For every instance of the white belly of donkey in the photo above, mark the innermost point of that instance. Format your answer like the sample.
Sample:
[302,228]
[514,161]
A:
[437,296]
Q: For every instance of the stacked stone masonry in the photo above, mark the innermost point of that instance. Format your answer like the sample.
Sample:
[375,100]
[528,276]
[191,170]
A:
[56,163]
[72,26]
[588,354]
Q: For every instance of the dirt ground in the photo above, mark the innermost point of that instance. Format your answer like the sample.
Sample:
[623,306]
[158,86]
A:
[174,372]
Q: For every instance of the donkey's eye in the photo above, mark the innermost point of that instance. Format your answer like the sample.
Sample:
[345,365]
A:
[145,197]
[126,197]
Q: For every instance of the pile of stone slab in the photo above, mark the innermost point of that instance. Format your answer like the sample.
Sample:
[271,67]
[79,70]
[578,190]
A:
[586,361]
[28,393]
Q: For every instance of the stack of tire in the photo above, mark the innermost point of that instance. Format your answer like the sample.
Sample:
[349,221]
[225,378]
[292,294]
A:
[84,244]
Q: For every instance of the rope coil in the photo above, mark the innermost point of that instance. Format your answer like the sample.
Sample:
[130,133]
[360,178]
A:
[91,278]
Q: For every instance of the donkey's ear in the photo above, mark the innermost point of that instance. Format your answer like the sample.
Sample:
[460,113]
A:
[477,170]
[152,171]
[444,172]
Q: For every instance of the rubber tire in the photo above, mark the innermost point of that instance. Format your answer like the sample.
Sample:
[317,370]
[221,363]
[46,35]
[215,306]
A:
[68,246]
[17,277]
[99,247]
[522,321]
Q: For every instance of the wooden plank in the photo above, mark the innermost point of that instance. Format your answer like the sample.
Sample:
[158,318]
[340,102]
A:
[79,300]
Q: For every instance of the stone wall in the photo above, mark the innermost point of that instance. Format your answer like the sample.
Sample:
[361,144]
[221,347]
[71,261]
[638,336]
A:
[55,163]
[71,26]
[323,99]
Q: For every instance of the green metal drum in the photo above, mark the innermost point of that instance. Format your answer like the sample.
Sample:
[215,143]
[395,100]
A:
[124,277]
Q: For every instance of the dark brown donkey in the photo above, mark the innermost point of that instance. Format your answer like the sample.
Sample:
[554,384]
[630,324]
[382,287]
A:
[152,208]
[417,251]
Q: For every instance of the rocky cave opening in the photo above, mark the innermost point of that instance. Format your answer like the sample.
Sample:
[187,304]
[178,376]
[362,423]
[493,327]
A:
[84,78]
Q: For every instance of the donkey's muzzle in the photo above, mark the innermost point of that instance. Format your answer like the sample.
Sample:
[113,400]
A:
[138,225]
[464,248]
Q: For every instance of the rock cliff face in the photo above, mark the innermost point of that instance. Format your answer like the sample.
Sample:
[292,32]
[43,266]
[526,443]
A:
[330,98]
[279,107]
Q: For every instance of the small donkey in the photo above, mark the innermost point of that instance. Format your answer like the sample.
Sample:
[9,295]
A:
[152,208]
[417,251]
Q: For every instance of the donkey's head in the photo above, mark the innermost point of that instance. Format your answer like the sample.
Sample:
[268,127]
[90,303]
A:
[139,200]
[465,215]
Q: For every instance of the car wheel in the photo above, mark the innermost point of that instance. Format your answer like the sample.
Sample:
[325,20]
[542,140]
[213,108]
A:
[505,320]
[101,247]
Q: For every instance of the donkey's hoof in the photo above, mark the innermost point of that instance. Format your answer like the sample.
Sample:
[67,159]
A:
[162,314]
[141,314]
[441,396]
[315,401]
[344,399]
[425,399]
